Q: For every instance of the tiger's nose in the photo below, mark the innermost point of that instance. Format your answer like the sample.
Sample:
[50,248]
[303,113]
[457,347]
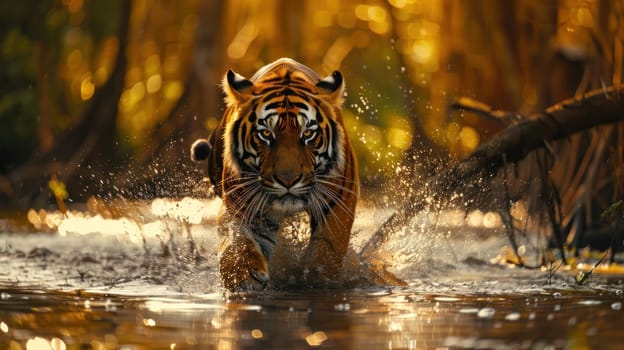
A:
[287,179]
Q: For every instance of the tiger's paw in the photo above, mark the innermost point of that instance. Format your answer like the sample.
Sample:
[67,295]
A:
[243,267]
[383,277]
[244,279]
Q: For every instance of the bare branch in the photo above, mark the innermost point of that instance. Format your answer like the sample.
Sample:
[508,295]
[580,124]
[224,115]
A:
[503,118]
[563,119]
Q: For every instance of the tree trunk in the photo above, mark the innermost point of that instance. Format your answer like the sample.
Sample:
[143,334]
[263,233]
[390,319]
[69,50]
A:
[79,157]
[163,166]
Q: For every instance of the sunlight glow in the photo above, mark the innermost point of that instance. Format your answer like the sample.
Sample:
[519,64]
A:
[74,59]
[154,83]
[316,338]
[469,138]
[57,344]
[256,334]
[39,343]
[137,92]
[491,220]
[395,327]
[87,87]
[174,305]
[475,218]
[76,224]
[399,3]
[188,209]
[239,45]
[152,64]
[173,90]
[399,138]
[322,18]
[422,51]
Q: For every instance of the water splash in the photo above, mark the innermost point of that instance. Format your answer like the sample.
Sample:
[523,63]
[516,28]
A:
[171,246]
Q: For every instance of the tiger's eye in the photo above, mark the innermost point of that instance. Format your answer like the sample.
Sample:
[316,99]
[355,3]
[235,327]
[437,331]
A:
[266,133]
[307,133]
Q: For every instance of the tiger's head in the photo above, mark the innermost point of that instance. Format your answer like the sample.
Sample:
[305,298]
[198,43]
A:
[284,143]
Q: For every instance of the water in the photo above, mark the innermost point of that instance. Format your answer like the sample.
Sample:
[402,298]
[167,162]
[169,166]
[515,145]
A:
[355,319]
[143,276]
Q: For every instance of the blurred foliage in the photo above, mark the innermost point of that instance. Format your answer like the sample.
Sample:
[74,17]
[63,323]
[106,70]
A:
[19,107]
[404,62]
[45,47]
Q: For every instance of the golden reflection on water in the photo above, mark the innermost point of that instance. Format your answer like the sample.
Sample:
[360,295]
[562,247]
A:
[299,320]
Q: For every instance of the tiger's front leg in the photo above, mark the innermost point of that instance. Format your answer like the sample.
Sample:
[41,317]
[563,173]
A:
[329,242]
[244,263]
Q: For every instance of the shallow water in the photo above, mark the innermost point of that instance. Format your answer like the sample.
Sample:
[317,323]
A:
[146,279]
[355,319]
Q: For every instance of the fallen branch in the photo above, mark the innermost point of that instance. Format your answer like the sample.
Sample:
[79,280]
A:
[503,118]
[595,108]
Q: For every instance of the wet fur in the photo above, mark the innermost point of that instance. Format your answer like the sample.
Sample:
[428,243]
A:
[281,148]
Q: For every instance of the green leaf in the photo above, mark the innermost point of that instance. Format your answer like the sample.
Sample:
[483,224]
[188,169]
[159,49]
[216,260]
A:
[58,188]
[611,209]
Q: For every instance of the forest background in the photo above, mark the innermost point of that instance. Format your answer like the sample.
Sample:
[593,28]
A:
[105,97]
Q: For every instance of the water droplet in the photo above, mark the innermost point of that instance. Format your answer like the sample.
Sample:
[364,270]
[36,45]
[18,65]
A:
[486,312]
[316,338]
[256,333]
[514,316]
[447,299]
[342,307]
[468,311]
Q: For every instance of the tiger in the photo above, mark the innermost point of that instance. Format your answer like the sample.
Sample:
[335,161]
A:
[281,148]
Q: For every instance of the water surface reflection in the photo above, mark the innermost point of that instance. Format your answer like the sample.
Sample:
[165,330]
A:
[357,319]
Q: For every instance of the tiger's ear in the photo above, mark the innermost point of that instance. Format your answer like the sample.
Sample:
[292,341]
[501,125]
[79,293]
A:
[236,87]
[332,87]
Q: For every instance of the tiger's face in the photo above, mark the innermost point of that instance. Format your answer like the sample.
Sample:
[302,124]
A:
[285,142]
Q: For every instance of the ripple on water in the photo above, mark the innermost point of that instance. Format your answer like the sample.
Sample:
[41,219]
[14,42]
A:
[589,302]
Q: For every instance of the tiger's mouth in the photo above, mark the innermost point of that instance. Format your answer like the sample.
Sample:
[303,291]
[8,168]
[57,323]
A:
[289,203]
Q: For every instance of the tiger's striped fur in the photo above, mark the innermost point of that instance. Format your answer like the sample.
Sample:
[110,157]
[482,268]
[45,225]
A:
[281,148]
